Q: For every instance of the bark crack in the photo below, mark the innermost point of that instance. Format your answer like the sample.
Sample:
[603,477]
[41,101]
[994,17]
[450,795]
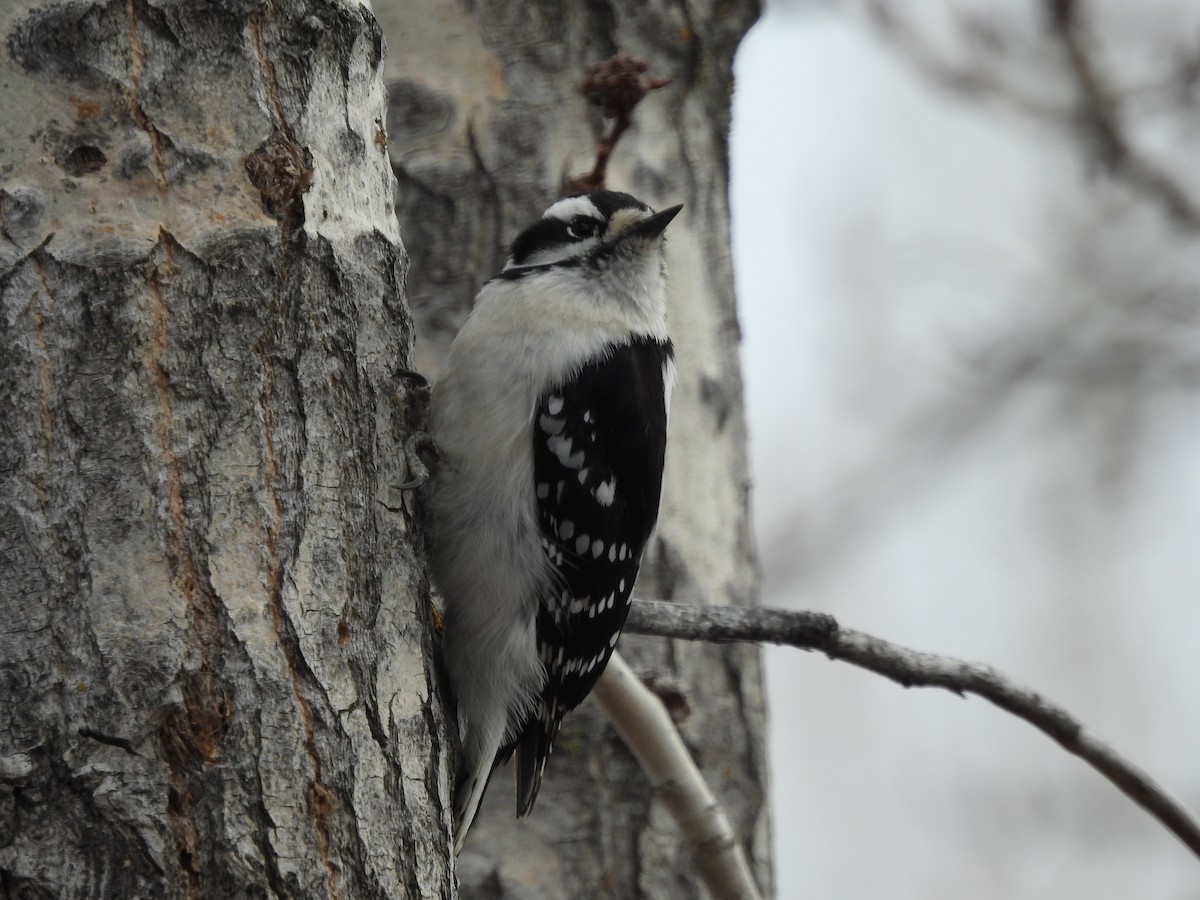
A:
[137,66]
[42,480]
[191,734]
[320,799]
[269,77]
[281,171]
[261,840]
[188,579]
[109,740]
[45,377]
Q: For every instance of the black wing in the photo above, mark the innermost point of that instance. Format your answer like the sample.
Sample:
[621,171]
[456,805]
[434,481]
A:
[598,449]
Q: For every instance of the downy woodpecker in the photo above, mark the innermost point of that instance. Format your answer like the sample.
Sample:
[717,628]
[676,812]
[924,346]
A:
[551,414]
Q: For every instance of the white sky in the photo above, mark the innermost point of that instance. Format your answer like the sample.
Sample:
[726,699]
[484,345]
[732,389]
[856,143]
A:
[883,231]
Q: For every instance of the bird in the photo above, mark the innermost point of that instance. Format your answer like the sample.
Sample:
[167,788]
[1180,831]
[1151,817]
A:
[550,413]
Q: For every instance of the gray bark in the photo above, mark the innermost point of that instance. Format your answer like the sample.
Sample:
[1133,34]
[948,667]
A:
[486,122]
[215,675]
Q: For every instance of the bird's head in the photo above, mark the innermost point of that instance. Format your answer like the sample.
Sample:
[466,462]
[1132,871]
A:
[587,229]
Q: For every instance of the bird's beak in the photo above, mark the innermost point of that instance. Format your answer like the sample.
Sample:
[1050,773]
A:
[654,225]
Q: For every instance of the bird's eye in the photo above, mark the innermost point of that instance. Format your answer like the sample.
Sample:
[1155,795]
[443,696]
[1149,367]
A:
[582,227]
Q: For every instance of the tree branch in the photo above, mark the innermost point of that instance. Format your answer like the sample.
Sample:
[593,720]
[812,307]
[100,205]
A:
[969,78]
[646,727]
[1097,111]
[910,668]
[1101,114]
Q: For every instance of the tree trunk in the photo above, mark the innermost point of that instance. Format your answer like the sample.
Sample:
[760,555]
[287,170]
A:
[486,122]
[215,675]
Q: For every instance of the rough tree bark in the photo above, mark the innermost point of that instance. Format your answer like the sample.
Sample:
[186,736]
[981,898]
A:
[486,122]
[215,675]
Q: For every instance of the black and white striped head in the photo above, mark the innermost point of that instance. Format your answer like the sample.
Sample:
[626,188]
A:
[587,229]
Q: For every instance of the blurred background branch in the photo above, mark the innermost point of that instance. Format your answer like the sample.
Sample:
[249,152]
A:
[990,72]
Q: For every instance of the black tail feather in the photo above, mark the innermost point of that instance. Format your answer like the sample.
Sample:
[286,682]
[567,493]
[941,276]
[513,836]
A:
[531,764]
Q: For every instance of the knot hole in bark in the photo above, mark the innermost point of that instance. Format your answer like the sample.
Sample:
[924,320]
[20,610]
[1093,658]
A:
[282,171]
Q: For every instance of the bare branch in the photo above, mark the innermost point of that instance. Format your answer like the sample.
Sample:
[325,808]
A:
[646,727]
[969,80]
[910,668]
[1101,113]
[1098,108]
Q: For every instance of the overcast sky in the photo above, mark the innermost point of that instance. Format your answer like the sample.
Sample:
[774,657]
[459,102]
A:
[897,248]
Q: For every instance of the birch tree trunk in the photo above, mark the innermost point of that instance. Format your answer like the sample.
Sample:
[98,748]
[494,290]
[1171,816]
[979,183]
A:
[215,675]
[486,122]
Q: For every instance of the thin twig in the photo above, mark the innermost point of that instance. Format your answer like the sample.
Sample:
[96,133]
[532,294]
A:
[1101,112]
[615,87]
[910,668]
[968,78]
[646,727]
[1098,108]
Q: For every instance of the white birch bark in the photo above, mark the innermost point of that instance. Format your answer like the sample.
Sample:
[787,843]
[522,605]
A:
[214,641]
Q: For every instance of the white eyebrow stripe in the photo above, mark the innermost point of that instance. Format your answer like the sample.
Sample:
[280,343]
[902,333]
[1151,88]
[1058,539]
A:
[567,209]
